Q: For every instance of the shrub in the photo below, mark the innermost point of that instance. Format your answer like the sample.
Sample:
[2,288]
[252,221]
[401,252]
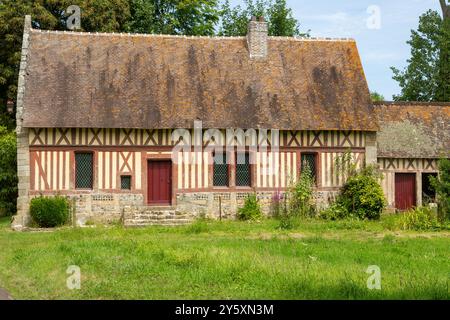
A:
[278,205]
[8,171]
[335,211]
[288,222]
[251,209]
[49,212]
[362,195]
[421,218]
[301,200]
[297,203]
[442,186]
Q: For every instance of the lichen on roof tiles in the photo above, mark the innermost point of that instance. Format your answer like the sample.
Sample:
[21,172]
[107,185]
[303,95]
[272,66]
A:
[413,130]
[124,81]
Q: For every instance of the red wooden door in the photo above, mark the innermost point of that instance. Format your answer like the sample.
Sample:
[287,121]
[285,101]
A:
[405,190]
[159,181]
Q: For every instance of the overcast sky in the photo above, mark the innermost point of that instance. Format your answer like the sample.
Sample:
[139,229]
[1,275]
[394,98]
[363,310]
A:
[380,48]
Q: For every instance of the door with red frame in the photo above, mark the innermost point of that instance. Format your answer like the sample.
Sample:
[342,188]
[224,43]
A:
[159,182]
[405,191]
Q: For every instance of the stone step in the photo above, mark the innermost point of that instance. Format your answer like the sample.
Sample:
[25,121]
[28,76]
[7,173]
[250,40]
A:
[159,213]
[167,216]
[156,220]
[158,208]
[157,216]
[143,223]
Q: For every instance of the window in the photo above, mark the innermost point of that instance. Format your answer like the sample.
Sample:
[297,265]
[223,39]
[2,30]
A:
[428,192]
[243,173]
[125,182]
[309,161]
[221,173]
[84,171]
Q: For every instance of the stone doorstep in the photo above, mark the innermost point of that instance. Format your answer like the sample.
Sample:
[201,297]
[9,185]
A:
[159,219]
[155,219]
[161,215]
[159,223]
[156,208]
[158,214]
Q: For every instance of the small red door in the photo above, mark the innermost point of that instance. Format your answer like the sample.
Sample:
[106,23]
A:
[405,190]
[159,181]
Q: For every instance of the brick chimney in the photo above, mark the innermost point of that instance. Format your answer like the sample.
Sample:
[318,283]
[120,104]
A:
[257,38]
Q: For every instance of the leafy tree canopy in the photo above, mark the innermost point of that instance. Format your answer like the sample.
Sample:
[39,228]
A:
[426,78]
[234,20]
[190,17]
[442,186]
[99,15]
[8,176]
[376,96]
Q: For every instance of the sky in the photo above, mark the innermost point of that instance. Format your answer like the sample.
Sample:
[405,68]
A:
[380,28]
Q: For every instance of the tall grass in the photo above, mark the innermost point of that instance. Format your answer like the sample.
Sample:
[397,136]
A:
[224,260]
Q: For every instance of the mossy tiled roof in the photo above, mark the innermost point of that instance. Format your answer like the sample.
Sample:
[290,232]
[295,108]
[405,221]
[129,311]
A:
[148,81]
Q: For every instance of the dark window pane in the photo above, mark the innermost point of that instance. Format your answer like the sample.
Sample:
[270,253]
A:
[243,177]
[220,174]
[125,182]
[309,161]
[84,175]
[428,191]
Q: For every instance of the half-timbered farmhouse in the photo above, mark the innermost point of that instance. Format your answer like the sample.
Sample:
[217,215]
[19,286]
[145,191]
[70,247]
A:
[412,137]
[159,128]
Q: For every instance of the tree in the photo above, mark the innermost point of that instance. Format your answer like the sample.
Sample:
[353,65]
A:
[445,9]
[426,76]
[444,60]
[189,17]
[8,172]
[376,96]
[282,21]
[100,15]
[234,20]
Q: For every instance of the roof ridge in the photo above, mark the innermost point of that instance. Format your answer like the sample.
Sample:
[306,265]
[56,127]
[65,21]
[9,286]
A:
[298,38]
[411,103]
[130,34]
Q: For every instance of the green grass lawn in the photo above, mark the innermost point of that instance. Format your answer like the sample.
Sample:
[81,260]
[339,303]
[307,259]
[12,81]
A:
[227,260]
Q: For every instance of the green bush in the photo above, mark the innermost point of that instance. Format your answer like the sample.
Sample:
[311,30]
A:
[251,209]
[288,222]
[278,205]
[362,195]
[442,186]
[49,212]
[298,203]
[8,172]
[301,200]
[335,211]
[421,218]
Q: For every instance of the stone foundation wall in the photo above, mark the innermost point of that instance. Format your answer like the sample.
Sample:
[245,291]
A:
[109,208]
[102,207]
[214,205]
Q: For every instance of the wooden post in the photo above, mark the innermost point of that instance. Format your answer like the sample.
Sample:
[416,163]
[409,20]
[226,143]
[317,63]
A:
[220,208]
[74,213]
[122,217]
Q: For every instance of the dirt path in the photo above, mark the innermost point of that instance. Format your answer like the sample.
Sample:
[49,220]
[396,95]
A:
[4,295]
